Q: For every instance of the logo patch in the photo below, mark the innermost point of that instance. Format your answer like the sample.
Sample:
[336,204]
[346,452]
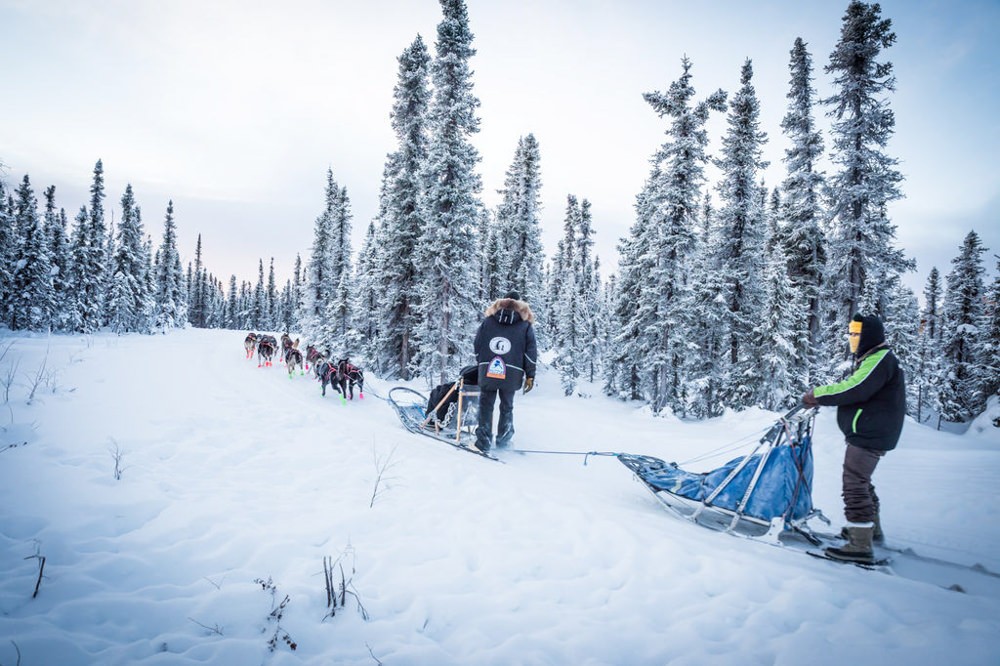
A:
[500,345]
[497,369]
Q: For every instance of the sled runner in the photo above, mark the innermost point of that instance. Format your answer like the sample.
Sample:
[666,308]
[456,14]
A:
[451,419]
[766,494]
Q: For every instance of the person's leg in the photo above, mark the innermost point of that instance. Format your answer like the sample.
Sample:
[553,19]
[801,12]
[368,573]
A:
[505,428]
[484,430]
[860,501]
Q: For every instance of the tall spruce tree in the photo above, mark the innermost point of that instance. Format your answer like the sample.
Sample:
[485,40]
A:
[707,365]
[743,233]
[400,223]
[566,310]
[960,397]
[127,300]
[98,258]
[258,307]
[777,329]
[197,309]
[802,214]
[233,319]
[989,350]
[7,245]
[32,300]
[517,223]
[862,259]
[655,318]
[927,375]
[273,315]
[449,246]
[171,300]
[59,250]
[366,296]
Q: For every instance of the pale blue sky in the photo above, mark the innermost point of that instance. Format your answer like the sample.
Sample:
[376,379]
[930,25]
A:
[236,109]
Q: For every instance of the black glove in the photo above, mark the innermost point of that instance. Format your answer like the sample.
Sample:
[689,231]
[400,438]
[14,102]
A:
[809,400]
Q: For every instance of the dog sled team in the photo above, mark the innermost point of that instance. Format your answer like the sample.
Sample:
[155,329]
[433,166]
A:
[343,375]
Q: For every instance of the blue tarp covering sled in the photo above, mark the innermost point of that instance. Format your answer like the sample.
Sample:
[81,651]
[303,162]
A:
[770,487]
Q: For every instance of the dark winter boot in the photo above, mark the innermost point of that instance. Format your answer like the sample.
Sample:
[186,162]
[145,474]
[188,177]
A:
[878,537]
[859,544]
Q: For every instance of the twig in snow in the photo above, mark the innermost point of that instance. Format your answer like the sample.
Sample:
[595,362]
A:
[382,465]
[34,381]
[8,379]
[118,455]
[41,568]
[215,629]
[372,653]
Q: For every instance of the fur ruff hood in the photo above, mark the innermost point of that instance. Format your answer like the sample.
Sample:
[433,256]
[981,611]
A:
[520,307]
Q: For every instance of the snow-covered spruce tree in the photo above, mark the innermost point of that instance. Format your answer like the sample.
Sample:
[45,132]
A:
[597,329]
[32,296]
[741,257]
[989,340]
[706,364]
[326,299]
[285,317]
[246,306]
[316,284]
[802,214]
[922,383]
[258,304]
[7,245]
[587,295]
[127,301]
[576,299]
[336,330]
[960,397]
[517,222]
[196,287]
[778,334]
[448,250]
[495,261]
[566,308]
[233,319]
[148,280]
[400,224]
[297,294]
[98,259]
[171,303]
[366,295]
[657,257]
[861,256]
[273,317]
[59,251]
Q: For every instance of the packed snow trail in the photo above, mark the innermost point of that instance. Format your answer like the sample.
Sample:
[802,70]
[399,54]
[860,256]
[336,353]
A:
[233,473]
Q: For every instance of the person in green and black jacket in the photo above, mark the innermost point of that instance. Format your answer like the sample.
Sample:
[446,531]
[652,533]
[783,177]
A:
[871,404]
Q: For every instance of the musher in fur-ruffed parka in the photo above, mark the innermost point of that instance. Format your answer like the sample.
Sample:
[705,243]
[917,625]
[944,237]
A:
[505,345]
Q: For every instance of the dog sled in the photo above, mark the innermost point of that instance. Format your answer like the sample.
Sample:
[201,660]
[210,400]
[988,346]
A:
[764,495]
[450,414]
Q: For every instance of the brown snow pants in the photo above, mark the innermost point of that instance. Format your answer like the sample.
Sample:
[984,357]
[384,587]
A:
[860,501]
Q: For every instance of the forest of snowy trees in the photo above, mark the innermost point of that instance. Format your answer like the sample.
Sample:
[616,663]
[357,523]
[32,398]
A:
[727,294]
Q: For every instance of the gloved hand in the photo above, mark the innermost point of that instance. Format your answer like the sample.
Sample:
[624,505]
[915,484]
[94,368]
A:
[809,400]
[529,383]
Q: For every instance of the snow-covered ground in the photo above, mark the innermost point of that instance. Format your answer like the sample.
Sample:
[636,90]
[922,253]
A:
[232,474]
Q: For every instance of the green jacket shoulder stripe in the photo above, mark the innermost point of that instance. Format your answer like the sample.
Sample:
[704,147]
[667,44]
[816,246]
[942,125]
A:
[860,375]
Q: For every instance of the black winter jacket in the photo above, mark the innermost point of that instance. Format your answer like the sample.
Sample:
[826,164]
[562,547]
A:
[505,345]
[871,403]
